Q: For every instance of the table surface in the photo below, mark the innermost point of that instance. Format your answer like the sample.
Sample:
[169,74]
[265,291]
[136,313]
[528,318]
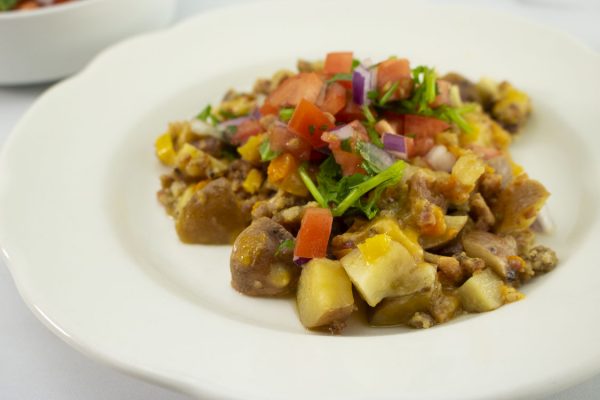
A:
[35,364]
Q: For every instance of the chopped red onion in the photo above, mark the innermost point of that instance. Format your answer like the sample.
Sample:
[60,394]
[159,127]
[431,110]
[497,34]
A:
[222,126]
[300,261]
[200,127]
[343,132]
[395,144]
[362,83]
[440,159]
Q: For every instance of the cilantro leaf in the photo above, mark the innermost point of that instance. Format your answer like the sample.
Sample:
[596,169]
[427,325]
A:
[265,151]
[204,115]
[6,5]
[285,114]
[340,77]
[287,244]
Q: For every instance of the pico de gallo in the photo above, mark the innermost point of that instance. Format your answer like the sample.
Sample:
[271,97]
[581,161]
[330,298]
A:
[356,185]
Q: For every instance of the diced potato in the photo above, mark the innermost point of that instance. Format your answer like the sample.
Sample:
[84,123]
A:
[324,295]
[468,169]
[454,224]
[482,292]
[520,203]
[394,273]
[399,310]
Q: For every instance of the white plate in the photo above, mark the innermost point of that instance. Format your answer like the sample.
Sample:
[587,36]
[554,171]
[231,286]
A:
[95,257]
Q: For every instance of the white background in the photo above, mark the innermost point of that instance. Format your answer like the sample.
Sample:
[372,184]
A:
[34,364]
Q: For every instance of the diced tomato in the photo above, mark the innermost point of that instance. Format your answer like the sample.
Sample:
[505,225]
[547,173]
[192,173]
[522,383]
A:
[289,93]
[349,162]
[313,236]
[310,123]
[443,97]
[334,100]
[423,130]
[391,71]
[350,112]
[246,129]
[423,126]
[282,139]
[267,109]
[338,63]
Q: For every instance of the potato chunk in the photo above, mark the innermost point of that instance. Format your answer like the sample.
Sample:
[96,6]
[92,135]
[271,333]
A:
[260,264]
[399,310]
[482,292]
[394,273]
[324,295]
[211,216]
[495,250]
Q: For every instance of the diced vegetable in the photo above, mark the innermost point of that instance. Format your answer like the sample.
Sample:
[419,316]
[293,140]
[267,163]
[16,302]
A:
[423,126]
[338,63]
[324,295]
[253,181]
[250,150]
[397,144]
[399,310]
[334,100]
[313,236]
[392,71]
[283,140]
[244,131]
[282,166]
[310,123]
[454,224]
[362,84]
[164,149]
[520,203]
[481,292]
[394,273]
[304,86]
[260,265]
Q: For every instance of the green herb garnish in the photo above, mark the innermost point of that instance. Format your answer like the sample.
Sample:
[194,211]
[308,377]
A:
[287,244]
[204,115]
[265,151]
[346,145]
[6,5]
[345,193]
[285,114]
[340,77]
[388,94]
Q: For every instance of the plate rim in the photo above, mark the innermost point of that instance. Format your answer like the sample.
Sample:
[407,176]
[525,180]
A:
[148,374]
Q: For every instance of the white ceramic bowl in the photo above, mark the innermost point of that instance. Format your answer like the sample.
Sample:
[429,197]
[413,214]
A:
[50,43]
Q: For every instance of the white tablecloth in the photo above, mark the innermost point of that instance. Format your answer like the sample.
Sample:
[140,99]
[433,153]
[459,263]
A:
[34,364]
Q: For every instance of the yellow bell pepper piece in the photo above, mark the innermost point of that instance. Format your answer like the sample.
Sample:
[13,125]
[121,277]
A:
[249,150]
[253,181]
[375,247]
[164,149]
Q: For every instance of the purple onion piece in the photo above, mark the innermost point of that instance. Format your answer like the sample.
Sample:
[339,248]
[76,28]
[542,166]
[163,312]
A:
[361,84]
[233,122]
[394,142]
[300,261]
[255,114]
